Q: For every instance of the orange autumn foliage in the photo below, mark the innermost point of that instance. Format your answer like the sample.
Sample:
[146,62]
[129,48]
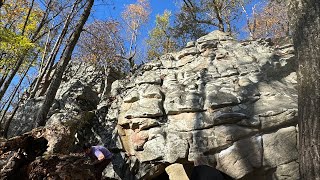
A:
[272,21]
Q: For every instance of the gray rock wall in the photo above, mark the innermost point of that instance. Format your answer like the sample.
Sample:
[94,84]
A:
[228,104]
[77,94]
[232,103]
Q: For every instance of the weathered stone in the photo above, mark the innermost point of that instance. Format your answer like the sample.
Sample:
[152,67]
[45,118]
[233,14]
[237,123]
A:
[155,132]
[138,139]
[176,147]
[197,65]
[132,96]
[168,60]
[89,75]
[216,138]
[281,119]
[152,65]
[215,98]
[186,52]
[176,102]
[190,44]
[220,54]
[149,77]
[24,120]
[220,99]
[126,140]
[244,81]
[146,107]
[144,123]
[241,158]
[207,45]
[122,120]
[284,143]
[150,91]
[77,96]
[187,122]
[176,171]
[272,97]
[225,133]
[152,150]
[220,117]
[288,171]
[61,129]
[117,86]
[185,60]
[214,35]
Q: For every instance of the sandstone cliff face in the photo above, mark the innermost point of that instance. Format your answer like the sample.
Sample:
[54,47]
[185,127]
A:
[226,103]
[231,103]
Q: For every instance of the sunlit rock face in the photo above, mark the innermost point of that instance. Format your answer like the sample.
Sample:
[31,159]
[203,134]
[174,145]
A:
[232,103]
[218,101]
[78,93]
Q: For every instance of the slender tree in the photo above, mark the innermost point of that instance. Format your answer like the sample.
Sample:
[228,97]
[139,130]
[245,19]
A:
[19,38]
[135,16]
[46,70]
[13,95]
[100,46]
[305,19]
[160,39]
[62,65]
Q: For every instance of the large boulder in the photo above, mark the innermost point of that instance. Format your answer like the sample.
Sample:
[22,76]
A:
[228,101]
[231,103]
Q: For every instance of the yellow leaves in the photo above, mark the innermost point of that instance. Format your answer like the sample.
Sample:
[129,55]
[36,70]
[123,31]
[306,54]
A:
[160,40]
[163,21]
[12,46]
[271,21]
[15,12]
[13,42]
[137,14]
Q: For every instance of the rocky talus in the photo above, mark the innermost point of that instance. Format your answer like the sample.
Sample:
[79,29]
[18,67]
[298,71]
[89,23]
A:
[218,101]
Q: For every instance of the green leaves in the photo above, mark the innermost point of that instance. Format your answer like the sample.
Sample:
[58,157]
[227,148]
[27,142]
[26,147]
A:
[12,46]
[160,39]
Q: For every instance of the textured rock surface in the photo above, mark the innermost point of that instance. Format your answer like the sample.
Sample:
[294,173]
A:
[80,90]
[176,171]
[232,103]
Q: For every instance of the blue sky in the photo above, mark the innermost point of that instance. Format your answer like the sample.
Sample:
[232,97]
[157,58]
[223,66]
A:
[113,8]
[106,9]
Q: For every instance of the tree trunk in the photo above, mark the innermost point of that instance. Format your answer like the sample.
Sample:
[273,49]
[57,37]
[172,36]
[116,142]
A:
[14,92]
[4,75]
[305,20]
[65,58]
[21,58]
[54,51]
[7,123]
[10,77]
[27,18]
[217,10]
[4,132]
